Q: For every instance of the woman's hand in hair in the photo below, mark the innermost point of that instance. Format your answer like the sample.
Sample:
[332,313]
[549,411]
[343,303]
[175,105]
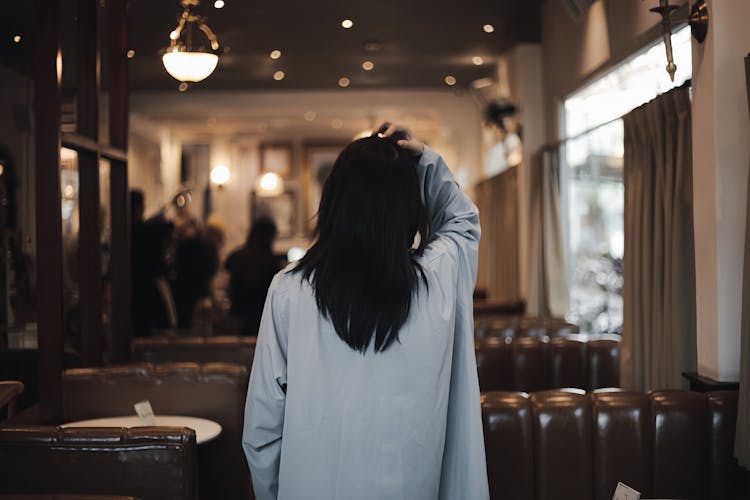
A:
[403,138]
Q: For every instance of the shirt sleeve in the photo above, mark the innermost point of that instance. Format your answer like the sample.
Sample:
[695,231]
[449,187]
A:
[266,397]
[454,230]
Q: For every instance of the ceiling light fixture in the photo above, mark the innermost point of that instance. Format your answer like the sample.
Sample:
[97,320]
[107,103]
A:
[368,65]
[344,81]
[187,59]
[488,28]
[450,80]
[347,23]
[17,38]
[219,4]
[130,54]
[477,60]
[275,54]
[279,75]
[337,123]
[310,115]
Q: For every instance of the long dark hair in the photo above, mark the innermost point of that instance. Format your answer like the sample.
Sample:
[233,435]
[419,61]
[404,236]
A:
[362,266]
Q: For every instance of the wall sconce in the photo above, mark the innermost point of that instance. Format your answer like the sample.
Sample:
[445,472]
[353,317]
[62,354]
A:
[220,175]
[698,21]
[270,184]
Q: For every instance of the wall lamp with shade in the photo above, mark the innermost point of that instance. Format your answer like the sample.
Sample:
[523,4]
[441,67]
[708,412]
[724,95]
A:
[269,184]
[193,51]
[220,175]
[697,19]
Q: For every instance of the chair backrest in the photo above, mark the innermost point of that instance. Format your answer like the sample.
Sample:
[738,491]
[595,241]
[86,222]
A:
[150,463]
[569,444]
[229,349]
[533,364]
[9,391]
[215,391]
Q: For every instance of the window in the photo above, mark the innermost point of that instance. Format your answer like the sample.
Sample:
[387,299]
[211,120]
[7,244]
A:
[592,181]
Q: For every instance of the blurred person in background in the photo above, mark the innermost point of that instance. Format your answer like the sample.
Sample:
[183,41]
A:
[251,269]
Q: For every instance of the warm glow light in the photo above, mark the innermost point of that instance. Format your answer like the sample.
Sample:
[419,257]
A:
[17,38]
[219,4]
[182,87]
[347,23]
[368,65]
[488,28]
[344,81]
[477,60]
[68,192]
[190,66]
[450,80]
[58,66]
[337,123]
[279,75]
[220,175]
[2,169]
[131,54]
[310,116]
[295,253]
[173,35]
[275,54]
[270,184]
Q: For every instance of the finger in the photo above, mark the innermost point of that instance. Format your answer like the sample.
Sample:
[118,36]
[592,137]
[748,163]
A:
[392,129]
[381,129]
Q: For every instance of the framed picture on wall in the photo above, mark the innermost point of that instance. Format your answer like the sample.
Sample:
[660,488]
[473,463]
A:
[319,160]
[282,209]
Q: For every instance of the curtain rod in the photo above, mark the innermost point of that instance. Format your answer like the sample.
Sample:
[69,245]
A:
[686,84]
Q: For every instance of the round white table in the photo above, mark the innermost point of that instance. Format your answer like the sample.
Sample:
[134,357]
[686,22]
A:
[205,430]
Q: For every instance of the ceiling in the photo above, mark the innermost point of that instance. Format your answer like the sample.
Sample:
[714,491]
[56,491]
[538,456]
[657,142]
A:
[420,41]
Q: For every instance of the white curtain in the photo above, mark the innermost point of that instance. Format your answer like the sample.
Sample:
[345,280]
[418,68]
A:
[548,278]
[658,339]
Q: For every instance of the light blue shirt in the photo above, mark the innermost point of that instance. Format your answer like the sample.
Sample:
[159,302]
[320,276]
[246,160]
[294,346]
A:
[403,424]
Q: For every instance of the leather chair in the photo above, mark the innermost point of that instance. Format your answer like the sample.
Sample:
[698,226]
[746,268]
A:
[215,391]
[499,326]
[150,463]
[533,364]
[566,444]
[238,350]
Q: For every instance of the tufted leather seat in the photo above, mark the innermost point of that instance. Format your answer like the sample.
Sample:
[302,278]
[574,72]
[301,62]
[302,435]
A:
[151,463]
[215,391]
[566,444]
[228,349]
[533,364]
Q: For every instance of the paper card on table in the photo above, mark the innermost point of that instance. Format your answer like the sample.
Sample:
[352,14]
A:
[625,492]
[145,413]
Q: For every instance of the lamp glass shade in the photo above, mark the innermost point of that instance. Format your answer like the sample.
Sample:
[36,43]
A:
[190,66]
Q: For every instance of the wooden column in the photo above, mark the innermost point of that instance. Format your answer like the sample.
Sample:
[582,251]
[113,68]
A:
[119,198]
[89,242]
[48,211]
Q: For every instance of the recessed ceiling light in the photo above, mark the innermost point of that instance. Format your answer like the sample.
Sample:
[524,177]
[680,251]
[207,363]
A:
[450,80]
[310,116]
[337,123]
[279,75]
[477,60]
[488,28]
[368,65]
[219,4]
[131,54]
[275,54]
[347,23]
[17,38]
[182,87]
[344,81]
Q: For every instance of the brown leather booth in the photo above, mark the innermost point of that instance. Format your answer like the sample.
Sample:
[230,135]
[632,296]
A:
[228,349]
[533,364]
[150,463]
[215,391]
[565,444]
[499,326]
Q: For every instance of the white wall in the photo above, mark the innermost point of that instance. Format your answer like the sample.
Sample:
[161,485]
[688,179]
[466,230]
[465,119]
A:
[721,151]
